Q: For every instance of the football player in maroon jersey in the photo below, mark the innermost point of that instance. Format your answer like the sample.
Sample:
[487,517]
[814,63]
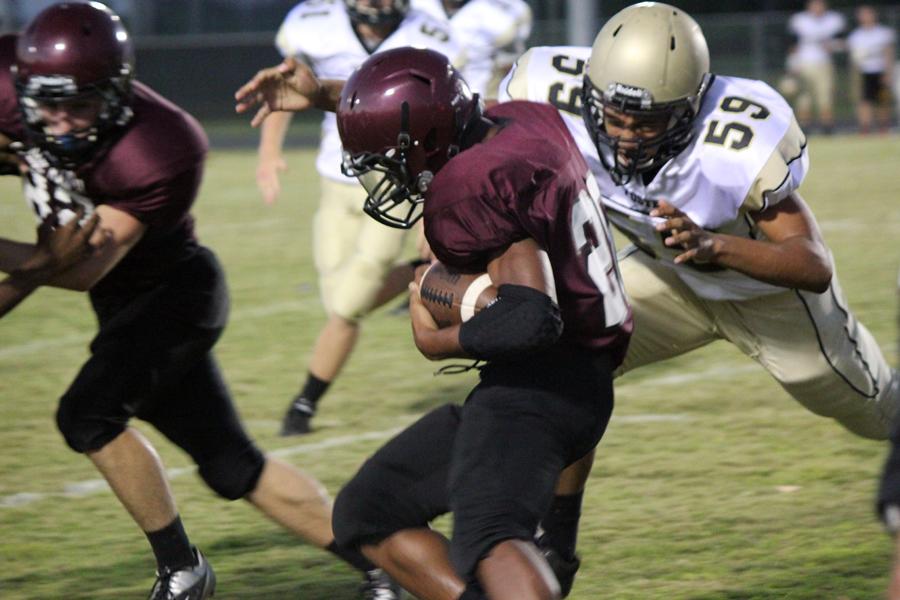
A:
[103,154]
[503,191]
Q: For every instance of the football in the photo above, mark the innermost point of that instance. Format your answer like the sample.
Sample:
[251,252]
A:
[453,297]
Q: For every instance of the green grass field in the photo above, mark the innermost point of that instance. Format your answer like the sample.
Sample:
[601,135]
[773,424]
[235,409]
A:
[711,484]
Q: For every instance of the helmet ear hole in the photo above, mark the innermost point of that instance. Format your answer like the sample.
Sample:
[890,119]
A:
[415,93]
[430,144]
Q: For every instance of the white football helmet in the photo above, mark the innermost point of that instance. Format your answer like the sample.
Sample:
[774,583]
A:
[650,59]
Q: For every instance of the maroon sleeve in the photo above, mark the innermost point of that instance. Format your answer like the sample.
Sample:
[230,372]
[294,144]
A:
[10,117]
[154,171]
[465,227]
[162,203]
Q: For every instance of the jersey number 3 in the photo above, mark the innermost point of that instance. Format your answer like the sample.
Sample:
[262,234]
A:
[594,240]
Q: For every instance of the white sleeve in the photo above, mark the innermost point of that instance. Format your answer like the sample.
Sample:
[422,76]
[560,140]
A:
[782,173]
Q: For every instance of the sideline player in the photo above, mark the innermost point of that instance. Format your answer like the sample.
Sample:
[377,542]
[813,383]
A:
[356,258]
[816,32]
[496,188]
[701,172]
[871,46]
[95,142]
[494,33]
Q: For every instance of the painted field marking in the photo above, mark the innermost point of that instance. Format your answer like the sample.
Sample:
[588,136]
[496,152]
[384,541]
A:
[88,487]
[79,489]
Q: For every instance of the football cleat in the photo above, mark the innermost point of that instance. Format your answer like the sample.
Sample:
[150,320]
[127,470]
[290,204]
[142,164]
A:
[298,416]
[563,568]
[378,585]
[190,583]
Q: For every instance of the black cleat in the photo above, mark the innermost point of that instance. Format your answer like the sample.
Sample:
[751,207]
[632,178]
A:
[378,585]
[298,416]
[196,582]
[563,568]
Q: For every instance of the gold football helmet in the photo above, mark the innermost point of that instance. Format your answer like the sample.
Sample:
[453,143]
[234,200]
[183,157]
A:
[649,61]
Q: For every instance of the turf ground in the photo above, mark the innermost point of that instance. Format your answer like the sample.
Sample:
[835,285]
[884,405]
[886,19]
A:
[711,484]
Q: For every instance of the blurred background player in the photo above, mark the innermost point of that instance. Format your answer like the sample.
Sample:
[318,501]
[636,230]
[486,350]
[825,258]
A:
[871,46]
[94,142]
[356,258]
[493,32]
[724,246]
[816,31]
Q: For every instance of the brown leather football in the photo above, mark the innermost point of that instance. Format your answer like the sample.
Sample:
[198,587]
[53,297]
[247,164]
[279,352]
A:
[453,297]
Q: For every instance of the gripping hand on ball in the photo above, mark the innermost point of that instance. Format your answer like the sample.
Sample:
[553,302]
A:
[433,342]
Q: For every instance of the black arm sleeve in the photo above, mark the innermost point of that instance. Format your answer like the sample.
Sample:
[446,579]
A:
[519,321]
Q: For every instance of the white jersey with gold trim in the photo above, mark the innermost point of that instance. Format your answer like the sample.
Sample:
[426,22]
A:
[493,32]
[320,33]
[747,153]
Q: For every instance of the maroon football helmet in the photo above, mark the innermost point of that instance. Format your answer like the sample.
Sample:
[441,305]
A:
[71,52]
[402,115]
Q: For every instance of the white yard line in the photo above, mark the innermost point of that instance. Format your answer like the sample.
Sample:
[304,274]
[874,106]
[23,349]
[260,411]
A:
[79,489]
[89,487]
[689,377]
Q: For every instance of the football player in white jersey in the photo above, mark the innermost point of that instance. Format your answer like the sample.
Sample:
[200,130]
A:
[356,257]
[494,33]
[701,172]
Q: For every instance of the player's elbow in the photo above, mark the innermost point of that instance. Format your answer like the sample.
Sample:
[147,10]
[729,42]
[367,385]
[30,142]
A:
[522,320]
[819,271]
[79,286]
[820,279]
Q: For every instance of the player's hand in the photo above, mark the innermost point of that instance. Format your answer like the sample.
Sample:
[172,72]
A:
[11,164]
[423,325]
[289,86]
[59,248]
[699,244]
[267,178]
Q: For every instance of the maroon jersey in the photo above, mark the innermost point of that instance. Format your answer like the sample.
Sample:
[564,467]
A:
[530,181]
[151,169]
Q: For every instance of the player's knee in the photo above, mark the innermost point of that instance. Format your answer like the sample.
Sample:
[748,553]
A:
[347,516]
[355,515]
[353,295]
[476,532]
[85,432]
[233,475]
[367,511]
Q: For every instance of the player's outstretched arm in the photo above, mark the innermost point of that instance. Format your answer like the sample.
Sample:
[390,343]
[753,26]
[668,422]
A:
[523,318]
[56,251]
[288,86]
[793,256]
